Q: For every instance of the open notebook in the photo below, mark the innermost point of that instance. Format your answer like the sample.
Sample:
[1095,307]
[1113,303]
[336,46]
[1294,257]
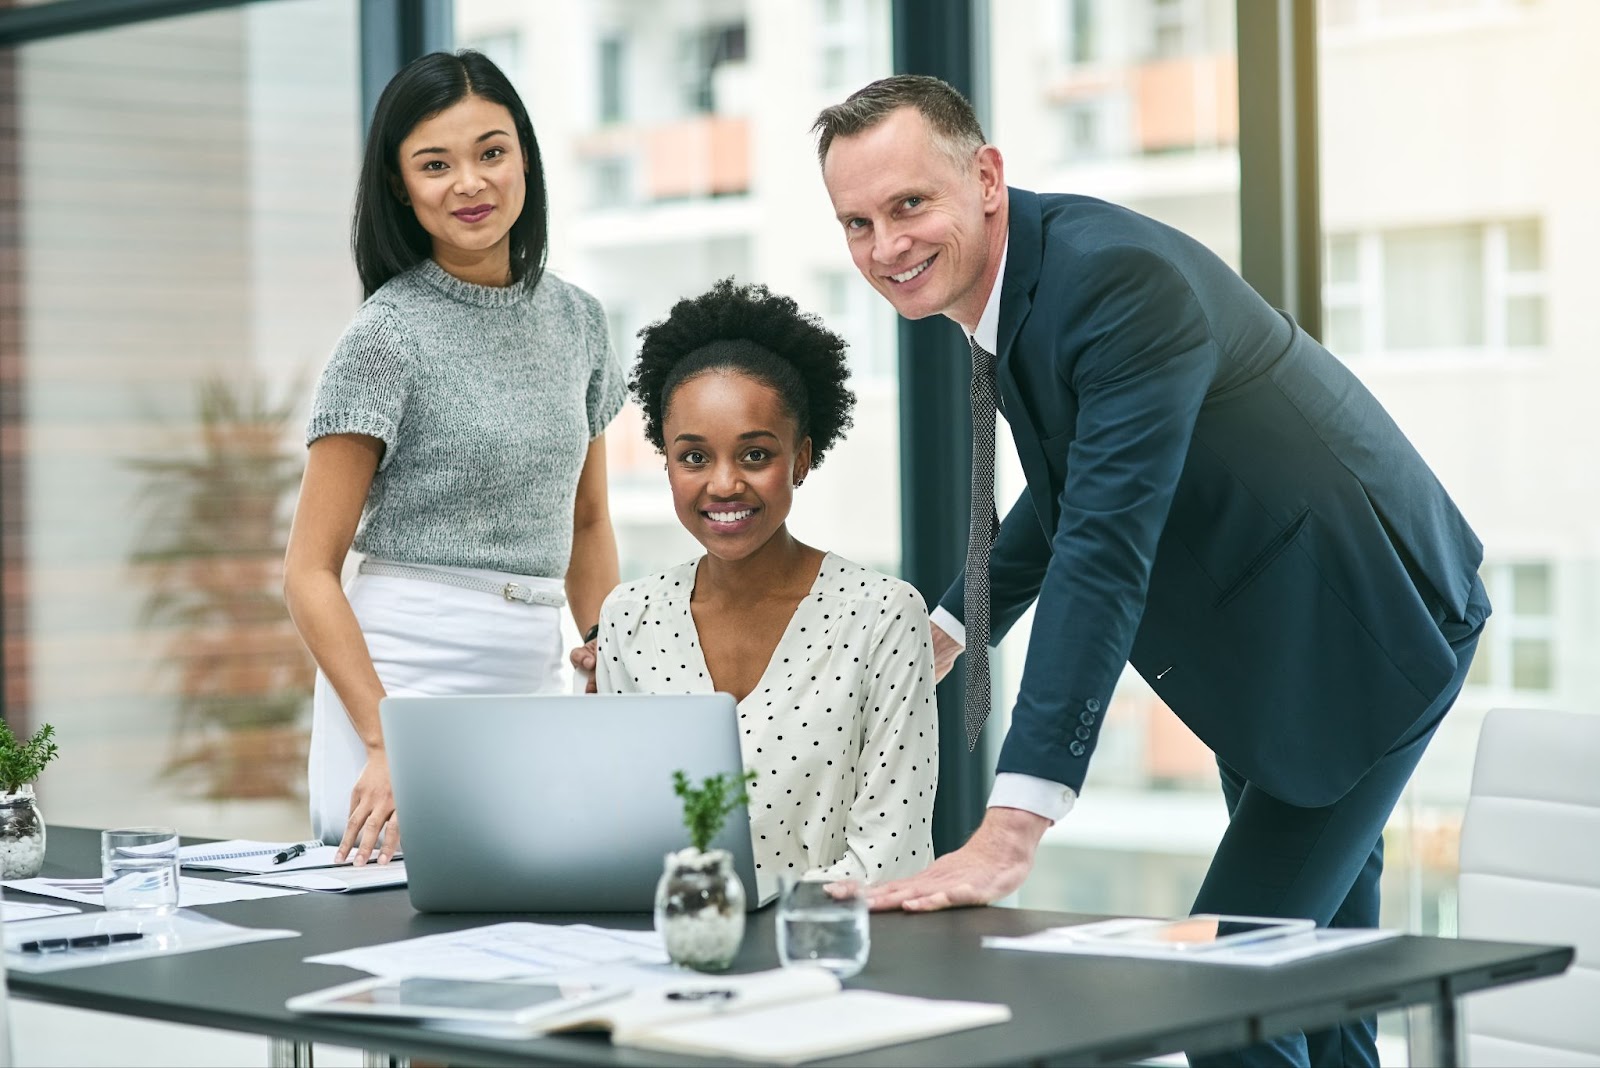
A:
[784,1016]
[258,858]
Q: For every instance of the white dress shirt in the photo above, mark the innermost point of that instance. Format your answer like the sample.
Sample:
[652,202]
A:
[1042,797]
[841,730]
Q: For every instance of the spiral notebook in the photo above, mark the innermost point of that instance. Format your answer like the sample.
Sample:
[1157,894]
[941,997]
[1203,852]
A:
[257,858]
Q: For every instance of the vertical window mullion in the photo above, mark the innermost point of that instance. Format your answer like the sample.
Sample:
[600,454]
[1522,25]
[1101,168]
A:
[1495,293]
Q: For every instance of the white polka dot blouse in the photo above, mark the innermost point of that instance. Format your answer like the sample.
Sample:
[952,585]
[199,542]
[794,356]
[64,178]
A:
[841,730]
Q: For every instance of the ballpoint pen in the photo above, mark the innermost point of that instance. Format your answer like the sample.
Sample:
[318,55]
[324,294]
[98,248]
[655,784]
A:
[57,945]
[290,853]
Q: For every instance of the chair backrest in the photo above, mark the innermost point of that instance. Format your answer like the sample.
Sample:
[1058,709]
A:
[1530,872]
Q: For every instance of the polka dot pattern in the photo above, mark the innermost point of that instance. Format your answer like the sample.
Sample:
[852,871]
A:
[841,730]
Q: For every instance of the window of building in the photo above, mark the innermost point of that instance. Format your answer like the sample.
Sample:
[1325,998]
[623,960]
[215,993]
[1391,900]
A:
[1085,130]
[613,72]
[853,310]
[850,37]
[1518,651]
[1083,45]
[1460,288]
[504,47]
[701,51]
[1169,28]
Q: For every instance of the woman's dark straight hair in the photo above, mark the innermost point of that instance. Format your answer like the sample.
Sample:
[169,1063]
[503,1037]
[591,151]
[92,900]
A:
[386,237]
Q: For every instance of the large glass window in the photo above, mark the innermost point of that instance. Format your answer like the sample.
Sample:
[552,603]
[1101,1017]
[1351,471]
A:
[692,163]
[176,276]
[1144,95]
[1448,189]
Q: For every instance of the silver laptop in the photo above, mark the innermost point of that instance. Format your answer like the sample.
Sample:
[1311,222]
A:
[553,803]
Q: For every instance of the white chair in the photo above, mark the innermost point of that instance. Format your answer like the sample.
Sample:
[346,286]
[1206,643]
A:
[1530,872]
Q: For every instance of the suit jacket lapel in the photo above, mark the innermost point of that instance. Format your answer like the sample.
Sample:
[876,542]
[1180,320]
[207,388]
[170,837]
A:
[1024,256]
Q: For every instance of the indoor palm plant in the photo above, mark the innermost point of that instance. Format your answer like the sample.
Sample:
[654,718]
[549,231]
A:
[211,556]
[21,827]
[700,900]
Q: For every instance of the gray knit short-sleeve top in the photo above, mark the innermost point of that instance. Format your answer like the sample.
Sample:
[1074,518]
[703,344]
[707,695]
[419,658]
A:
[486,400]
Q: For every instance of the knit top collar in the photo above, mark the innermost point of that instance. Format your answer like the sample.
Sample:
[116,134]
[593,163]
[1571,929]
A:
[468,292]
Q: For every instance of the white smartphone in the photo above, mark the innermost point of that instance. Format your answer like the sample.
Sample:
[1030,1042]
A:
[1208,931]
[506,1002]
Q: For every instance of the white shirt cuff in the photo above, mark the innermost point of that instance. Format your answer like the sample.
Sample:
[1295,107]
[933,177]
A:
[1042,797]
[941,618]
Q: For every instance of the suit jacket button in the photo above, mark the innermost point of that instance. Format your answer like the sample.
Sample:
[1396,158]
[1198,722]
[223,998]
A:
[1092,704]
[1077,749]
[1086,718]
[1083,733]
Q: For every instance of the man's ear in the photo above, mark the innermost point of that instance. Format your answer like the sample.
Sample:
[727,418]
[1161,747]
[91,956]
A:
[992,176]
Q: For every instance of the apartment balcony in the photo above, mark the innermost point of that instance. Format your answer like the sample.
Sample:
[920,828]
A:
[687,179]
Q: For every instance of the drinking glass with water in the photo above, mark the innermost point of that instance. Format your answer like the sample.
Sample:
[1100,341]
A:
[139,866]
[823,922]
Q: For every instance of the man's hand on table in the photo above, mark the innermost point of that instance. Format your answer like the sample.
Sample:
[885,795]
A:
[994,862]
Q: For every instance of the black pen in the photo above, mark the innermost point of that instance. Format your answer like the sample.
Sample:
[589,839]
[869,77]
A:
[58,945]
[290,853]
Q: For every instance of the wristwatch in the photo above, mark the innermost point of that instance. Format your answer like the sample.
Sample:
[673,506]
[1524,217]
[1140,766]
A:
[592,634]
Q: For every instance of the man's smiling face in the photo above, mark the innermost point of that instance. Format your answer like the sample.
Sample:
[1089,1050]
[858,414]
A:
[916,222]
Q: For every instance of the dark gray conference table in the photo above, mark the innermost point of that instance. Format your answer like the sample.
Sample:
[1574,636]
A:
[1071,1010]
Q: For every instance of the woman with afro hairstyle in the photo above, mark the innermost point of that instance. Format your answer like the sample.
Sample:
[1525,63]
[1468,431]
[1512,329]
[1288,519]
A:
[830,663]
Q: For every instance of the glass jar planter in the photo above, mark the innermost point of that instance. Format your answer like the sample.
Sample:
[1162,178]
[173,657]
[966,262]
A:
[700,909]
[21,835]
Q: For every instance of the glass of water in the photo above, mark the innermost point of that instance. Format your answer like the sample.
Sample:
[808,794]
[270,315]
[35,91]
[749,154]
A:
[823,922]
[139,866]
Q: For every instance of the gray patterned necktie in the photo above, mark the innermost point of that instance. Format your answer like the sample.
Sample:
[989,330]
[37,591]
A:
[980,536]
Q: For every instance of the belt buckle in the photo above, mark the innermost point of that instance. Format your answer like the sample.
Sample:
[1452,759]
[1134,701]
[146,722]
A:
[512,591]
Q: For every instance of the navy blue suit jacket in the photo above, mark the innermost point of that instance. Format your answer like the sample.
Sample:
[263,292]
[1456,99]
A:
[1215,499]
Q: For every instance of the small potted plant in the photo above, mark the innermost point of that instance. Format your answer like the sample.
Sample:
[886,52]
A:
[700,900]
[21,826]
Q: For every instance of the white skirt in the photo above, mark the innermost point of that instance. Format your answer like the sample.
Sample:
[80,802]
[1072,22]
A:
[427,638]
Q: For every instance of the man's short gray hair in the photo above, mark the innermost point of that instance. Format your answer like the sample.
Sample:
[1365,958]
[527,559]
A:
[949,116]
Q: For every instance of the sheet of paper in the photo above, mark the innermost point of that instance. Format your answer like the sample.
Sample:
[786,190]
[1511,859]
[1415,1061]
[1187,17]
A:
[341,880]
[27,910]
[503,951]
[1268,952]
[837,1026]
[190,891]
[161,934]
[261,859]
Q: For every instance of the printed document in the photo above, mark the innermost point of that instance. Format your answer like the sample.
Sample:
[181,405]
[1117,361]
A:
[782,1016]
[157,934]
[191,891]
[504,951]
[1088,939]
[340,880]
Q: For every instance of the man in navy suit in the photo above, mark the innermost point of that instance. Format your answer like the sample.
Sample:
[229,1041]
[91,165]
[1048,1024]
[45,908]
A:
[1211,496]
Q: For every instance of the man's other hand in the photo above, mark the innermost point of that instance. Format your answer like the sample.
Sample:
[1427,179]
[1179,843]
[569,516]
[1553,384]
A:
[994,862]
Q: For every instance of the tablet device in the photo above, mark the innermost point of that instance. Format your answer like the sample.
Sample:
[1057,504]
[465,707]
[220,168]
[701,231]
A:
[469,1000]
[1206,931]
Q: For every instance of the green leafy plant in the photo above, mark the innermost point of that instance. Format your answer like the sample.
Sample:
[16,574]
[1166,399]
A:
[21,762]
[214,514]
[706,807]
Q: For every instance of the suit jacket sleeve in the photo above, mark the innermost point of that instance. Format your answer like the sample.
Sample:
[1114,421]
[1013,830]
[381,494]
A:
[1137,352]
[1016,568]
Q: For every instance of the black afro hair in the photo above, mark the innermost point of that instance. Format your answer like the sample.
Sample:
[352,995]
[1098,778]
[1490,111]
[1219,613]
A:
[764,335]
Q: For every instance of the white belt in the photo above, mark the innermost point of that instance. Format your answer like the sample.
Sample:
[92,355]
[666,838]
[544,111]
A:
[511,591]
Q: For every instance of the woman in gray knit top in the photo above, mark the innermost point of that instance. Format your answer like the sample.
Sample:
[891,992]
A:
[456,440]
